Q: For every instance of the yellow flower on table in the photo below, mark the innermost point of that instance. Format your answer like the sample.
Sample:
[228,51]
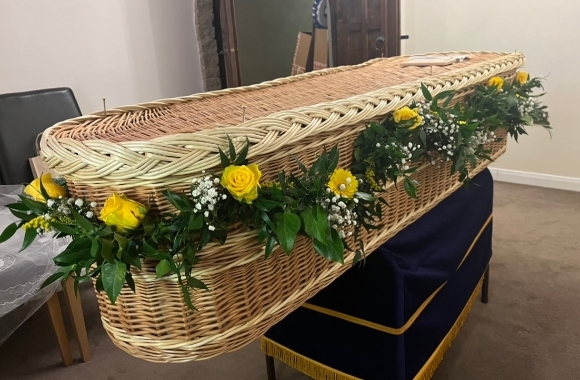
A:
[522,77]
[496,82]
[343,184]
[405,114]
[242,181]
[52,189]
[123,213]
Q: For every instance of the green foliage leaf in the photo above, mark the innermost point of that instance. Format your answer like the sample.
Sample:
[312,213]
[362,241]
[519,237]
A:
[270,244]
[241,159]
[232,149]
[34,206]
[196,284]
[195,222]
[315,222]
[410,188]
[287,227]
[162,268]
[113,279]
[107,250]
[63,228]
[29,237]
[61,274]
[225,161]
[77,251]
[175,200]
[426,93]
[333,250]
[83,222]
[129,280]
[8,232]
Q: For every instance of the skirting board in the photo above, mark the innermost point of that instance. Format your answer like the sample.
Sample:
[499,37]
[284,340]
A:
[536,179]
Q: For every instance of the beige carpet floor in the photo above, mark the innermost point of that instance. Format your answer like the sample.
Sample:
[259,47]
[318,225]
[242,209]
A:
[530,330]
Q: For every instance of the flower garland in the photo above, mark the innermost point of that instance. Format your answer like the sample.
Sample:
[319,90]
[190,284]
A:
[326,204]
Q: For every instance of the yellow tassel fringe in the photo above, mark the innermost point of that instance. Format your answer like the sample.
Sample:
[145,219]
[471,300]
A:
[319,371]
[301,363]
[428,370]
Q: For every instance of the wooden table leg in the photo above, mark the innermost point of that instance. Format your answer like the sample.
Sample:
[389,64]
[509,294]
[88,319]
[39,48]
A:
[271,370]
[77,317]
[59,329]
[485,286]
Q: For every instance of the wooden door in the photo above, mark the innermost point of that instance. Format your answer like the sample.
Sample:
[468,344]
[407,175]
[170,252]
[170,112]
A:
[226,38]
[364,29]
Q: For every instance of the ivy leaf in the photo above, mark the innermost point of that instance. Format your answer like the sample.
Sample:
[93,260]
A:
[333,250]
[8,232]
[113,279]
[196,284]
[315,223]
[287,227]
[162,268]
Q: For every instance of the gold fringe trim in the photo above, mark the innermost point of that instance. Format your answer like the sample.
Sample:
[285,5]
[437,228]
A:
[428,370]
[301,363]
[320,371]
[392,330]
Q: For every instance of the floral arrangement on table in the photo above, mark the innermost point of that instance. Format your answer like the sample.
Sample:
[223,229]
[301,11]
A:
[327,204]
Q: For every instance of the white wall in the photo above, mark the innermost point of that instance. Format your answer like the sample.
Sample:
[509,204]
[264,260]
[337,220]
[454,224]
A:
[547,32]
[127,51]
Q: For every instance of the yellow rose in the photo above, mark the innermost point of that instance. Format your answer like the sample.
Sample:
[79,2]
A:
[522,77]
[343,183]
[242,182]
[405,113]
[52,189]
[123,213]
[496,82]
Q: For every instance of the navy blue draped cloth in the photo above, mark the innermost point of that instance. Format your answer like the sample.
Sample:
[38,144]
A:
[408,295]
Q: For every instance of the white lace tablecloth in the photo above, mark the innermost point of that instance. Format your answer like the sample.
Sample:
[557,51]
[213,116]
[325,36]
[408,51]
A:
[22,273]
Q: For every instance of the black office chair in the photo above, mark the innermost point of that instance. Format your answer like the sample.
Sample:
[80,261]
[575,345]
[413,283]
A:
[24,115]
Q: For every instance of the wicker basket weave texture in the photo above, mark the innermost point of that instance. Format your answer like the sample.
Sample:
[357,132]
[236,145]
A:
[248,294]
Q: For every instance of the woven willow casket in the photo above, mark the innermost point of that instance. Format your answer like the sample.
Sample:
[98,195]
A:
[141,150]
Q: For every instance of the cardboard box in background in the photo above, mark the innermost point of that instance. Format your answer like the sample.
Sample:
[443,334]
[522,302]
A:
[320,60]
[303,54]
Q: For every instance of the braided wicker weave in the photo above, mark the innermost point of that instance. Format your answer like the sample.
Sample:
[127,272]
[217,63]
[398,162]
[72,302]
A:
[144,149]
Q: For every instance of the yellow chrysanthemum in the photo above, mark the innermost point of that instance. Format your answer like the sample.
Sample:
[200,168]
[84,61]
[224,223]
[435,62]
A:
[496,82]
[522,77]
[343,183]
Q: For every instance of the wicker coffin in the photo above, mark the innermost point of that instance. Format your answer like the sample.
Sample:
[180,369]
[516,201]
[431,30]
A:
[141,150]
